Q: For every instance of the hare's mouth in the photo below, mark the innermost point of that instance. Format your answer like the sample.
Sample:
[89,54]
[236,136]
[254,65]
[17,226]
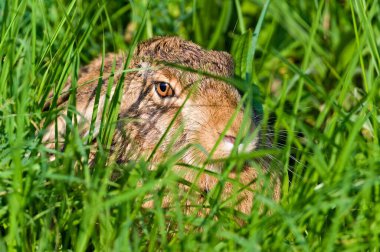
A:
[229,142]
[244,148]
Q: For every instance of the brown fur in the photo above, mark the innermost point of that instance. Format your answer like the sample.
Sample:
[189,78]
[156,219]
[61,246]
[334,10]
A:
[144,116]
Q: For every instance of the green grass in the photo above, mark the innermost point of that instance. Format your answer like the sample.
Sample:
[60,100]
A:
[316,64]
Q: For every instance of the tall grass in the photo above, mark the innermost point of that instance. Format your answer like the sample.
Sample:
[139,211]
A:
[316,64]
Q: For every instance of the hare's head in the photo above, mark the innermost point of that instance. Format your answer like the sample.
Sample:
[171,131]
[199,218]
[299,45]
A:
[169,83]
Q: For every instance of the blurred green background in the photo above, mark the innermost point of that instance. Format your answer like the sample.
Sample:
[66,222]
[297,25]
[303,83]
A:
[317,66]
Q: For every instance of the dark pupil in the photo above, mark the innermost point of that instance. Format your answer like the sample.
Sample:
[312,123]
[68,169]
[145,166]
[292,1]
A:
[163,87]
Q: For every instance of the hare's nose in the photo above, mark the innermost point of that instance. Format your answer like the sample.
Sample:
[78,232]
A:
[229,139]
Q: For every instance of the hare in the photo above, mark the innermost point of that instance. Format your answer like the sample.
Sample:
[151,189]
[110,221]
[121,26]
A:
[155,91]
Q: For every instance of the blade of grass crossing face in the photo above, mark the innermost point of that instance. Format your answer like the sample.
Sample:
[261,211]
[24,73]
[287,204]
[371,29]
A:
[166,132]
[113,111]
[215,146]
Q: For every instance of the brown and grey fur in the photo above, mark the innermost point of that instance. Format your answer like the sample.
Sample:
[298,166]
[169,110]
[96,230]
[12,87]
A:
[144,115]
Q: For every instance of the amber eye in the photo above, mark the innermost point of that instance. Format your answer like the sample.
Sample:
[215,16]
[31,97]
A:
[164,89]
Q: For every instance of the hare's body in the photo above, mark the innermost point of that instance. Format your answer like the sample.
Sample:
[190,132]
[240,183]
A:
[152,96]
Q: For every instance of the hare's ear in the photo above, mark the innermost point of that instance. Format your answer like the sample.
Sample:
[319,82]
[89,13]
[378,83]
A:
[148,48]
[224,63]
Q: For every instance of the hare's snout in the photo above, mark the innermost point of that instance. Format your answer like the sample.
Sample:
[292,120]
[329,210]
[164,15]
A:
[228,139]
[245,144]
[213,120]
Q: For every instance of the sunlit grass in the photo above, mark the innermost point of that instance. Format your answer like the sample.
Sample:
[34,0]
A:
[316,64]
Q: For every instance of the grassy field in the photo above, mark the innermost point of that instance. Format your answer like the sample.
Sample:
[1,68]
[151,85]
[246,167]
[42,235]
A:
[316,64]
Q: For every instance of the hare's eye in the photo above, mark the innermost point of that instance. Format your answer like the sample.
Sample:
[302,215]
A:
[164,89]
